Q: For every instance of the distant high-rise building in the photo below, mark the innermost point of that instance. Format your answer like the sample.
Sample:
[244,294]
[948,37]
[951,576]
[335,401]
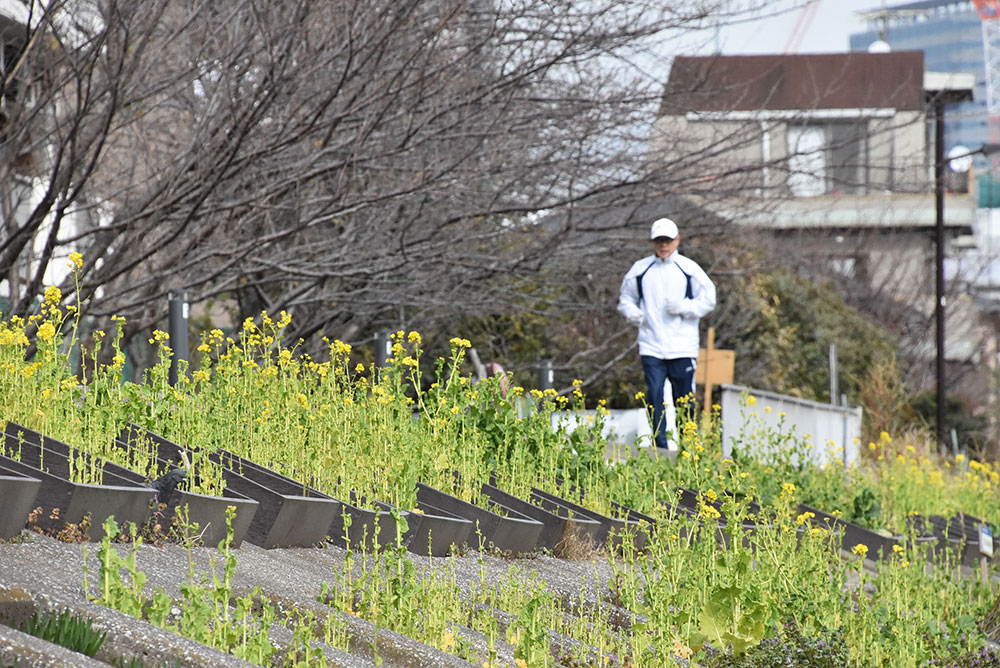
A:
[949,32]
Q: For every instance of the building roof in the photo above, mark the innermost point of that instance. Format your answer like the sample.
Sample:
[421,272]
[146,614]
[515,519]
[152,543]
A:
[851,80]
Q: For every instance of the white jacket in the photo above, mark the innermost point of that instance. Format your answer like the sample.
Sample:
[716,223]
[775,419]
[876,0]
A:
[669,328]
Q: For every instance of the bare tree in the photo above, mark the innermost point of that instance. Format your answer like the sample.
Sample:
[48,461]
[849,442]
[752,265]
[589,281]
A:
[352,162]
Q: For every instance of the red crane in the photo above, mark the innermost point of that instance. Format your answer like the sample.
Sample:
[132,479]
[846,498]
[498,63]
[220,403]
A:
[801,27]
[989,12]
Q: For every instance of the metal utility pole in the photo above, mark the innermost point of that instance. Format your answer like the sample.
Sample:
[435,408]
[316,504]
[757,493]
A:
[177,327]
[834,386]
[937,97]
[383,349]
[546,375]
[939,312]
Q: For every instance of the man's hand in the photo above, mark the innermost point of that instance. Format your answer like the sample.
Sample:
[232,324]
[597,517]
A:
[678,307]
[636,320]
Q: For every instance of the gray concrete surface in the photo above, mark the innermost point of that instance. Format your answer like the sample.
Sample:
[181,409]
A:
[40,573]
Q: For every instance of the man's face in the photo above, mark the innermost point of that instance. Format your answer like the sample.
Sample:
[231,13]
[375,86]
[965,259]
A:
[664,246]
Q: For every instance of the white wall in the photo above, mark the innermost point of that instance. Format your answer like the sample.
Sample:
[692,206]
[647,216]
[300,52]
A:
[833,432]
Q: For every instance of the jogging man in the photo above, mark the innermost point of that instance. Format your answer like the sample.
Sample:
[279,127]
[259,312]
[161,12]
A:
[665,296]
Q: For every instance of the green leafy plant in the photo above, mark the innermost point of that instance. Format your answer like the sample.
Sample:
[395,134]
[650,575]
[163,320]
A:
[207,611]
[66,629]
[865,509]
[737,614]
[790,648]
[532,634]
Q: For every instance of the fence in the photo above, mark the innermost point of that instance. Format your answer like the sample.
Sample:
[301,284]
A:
[832,432]
[622,427]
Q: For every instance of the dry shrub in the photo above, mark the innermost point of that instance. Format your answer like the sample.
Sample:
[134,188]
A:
[883,398]
[576,545]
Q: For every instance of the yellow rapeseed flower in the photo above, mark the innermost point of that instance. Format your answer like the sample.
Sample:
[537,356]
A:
[47,332]
[339,348]
[53,295]
[709,511]
[75,260]
[861,550]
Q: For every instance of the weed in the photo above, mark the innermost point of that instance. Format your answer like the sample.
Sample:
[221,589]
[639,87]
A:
[66,629]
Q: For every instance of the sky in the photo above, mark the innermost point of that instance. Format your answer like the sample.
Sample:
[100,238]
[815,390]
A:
[830,29]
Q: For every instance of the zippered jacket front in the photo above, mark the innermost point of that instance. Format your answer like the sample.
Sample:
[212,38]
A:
[669,320]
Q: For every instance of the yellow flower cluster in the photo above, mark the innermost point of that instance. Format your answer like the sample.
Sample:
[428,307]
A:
[159,336]
[53,295]
[47,332]
[708,511]
[14,334]
[339,349]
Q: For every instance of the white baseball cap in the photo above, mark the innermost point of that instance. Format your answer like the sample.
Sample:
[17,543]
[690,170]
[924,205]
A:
[664,227]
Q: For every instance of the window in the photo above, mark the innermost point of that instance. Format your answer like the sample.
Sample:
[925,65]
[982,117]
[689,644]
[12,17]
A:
[827,157]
